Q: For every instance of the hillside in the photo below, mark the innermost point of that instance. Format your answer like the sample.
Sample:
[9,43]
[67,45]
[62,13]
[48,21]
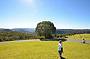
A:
[5,30]
[71,31]
[30,30]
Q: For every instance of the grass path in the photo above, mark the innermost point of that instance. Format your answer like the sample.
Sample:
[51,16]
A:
[80,41]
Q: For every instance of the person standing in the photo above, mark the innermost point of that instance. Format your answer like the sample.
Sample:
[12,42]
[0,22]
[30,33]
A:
[83,41]
[60,48]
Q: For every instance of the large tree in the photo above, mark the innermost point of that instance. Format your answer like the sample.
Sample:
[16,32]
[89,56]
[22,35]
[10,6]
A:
[45,28]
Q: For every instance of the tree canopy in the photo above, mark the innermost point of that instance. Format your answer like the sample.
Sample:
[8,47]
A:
[45,28]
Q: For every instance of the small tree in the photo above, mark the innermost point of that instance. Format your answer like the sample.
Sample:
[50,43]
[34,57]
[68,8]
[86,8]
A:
[45,28]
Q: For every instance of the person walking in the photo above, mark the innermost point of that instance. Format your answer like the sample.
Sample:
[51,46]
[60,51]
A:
[60,48]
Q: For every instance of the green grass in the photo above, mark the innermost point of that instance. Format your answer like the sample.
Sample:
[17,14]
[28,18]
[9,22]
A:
[80,36]
[76,50]
[43,50]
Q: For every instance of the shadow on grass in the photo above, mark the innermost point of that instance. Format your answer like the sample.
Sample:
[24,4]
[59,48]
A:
[62,58]
[53,39]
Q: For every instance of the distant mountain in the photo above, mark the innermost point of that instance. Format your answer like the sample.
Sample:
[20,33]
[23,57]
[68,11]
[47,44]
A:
[30,30]
[58,31]
[72,31]
[5,30]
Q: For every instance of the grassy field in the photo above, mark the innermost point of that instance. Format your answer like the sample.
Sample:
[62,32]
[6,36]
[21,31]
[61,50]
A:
[43,50]
[80,36]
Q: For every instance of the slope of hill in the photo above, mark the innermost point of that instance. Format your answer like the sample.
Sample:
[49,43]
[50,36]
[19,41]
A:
[5,30]
[30,30]
[71,31]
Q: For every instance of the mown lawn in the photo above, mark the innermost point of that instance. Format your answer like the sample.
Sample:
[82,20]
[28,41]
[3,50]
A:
[43,50]
[80,36]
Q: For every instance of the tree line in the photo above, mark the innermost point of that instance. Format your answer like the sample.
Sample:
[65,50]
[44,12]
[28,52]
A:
[10,36]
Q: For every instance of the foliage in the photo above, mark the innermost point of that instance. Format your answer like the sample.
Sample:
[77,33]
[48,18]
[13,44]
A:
[61,35]
[45,28]
[9,36]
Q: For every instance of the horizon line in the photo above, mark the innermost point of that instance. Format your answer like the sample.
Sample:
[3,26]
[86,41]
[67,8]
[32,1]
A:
[34,28]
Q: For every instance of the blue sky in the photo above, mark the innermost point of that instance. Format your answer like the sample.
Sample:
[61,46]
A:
[65,14]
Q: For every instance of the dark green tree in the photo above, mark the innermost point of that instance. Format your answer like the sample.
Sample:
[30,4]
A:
[45,28]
